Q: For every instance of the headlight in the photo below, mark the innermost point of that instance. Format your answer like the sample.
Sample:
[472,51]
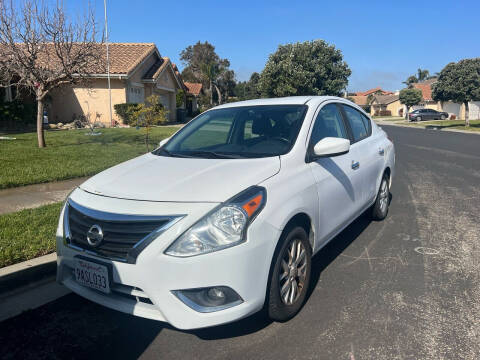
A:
[223,227]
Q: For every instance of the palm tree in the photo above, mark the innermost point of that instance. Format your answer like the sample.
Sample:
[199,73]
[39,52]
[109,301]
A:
[211,72]
[422,74]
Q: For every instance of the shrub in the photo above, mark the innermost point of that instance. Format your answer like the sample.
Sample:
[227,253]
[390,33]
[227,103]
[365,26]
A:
[124,110]
[149,114]
[180,97]
[17,114]
[385,113]
[453,117]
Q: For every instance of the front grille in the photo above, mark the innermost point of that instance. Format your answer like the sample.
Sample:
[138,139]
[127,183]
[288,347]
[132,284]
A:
[124,236]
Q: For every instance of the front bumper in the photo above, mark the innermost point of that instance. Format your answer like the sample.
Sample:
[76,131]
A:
[145,288]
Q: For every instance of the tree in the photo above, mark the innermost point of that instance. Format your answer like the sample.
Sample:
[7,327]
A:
[147,115]
[202,64]
[41,49]
[422,75]
[410,97]
[459,82]
[411,80]
[246,90]
[307,68]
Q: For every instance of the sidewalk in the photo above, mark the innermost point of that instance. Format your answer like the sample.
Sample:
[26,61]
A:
[31,196]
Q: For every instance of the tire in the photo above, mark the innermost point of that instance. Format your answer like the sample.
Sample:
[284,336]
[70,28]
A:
[442,117]
[283,308]
[418,118]
[380,207]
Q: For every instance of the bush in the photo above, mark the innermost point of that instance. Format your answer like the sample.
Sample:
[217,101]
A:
[453,117]
[17,114]
[180,97]
[124,110]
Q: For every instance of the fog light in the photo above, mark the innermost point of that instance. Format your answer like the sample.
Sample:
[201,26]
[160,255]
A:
[209,299]
[216,294]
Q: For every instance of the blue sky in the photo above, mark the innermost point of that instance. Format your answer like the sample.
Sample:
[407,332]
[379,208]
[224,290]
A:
[383,42]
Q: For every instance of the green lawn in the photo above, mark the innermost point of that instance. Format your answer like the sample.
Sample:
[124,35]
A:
[70,154]
[28,233]
[448,124]
[388,118]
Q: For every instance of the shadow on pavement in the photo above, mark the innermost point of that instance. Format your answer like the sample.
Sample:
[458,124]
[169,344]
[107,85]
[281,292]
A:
[321,261]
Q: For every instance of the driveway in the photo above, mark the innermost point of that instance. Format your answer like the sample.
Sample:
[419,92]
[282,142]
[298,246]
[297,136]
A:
[404,288]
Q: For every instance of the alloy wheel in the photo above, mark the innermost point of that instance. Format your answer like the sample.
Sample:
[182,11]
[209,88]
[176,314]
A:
[293,272]
[383,196]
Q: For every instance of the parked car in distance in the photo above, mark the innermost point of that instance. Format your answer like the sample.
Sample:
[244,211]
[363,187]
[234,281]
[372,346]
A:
[427,114]
[223,218]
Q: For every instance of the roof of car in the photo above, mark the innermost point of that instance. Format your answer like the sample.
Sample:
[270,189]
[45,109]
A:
[290,100]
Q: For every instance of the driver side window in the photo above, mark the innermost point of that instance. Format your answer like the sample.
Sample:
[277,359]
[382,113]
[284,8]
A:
[329,123]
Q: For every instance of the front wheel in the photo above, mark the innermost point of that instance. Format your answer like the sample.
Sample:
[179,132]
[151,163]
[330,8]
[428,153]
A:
[380,207]
[442,117]
[419,118]
[290,277]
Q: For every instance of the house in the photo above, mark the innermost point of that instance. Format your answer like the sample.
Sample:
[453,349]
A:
[375,91]
[448,106]
[427,102]
[194,90]
[361,100]
[382,104]
[137,70]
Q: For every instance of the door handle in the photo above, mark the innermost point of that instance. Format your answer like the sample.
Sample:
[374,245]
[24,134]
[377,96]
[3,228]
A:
[355,165]
[381,151]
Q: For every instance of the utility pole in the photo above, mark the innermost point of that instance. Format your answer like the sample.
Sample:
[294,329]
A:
[108,64]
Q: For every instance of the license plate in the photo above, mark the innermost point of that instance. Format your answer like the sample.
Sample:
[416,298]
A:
[92,275]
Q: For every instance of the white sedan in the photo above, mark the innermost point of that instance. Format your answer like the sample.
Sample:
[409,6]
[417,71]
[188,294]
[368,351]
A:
[223,218]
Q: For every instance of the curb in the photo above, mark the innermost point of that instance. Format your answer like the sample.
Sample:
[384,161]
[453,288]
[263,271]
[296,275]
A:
[380,123]
[27,272]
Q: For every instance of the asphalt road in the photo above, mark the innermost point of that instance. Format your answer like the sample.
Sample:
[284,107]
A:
[404,288]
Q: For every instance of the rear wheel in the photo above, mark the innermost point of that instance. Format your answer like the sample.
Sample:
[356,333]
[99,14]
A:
[290,277]
[380,207]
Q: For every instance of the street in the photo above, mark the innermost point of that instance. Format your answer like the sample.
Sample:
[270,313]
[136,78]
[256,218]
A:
[404,288]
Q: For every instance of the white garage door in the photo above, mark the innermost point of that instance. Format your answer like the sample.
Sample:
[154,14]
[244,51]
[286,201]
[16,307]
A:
[474,110]
[452,108]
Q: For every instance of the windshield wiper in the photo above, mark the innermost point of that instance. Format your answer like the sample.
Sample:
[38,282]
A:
[168,153]
[214,154]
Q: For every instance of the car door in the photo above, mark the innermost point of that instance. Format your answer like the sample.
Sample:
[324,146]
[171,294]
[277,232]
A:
[336,181]
[429,114]
[367,155]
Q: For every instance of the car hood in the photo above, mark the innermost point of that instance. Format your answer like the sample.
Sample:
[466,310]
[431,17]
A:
[160,178]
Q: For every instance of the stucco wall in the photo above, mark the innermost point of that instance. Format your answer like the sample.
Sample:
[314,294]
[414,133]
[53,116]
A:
[395,107]
[71,102]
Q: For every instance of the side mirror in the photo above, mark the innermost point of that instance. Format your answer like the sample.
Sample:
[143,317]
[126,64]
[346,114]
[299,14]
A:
[331,146]
[163,142]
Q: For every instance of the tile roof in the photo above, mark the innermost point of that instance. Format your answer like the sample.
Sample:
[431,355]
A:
[386,99]
[124,57]
[373,91]
[426,90]
[193,88]
[359,100]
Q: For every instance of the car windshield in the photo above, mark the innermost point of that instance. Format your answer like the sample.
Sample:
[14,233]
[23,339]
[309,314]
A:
[238,132]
